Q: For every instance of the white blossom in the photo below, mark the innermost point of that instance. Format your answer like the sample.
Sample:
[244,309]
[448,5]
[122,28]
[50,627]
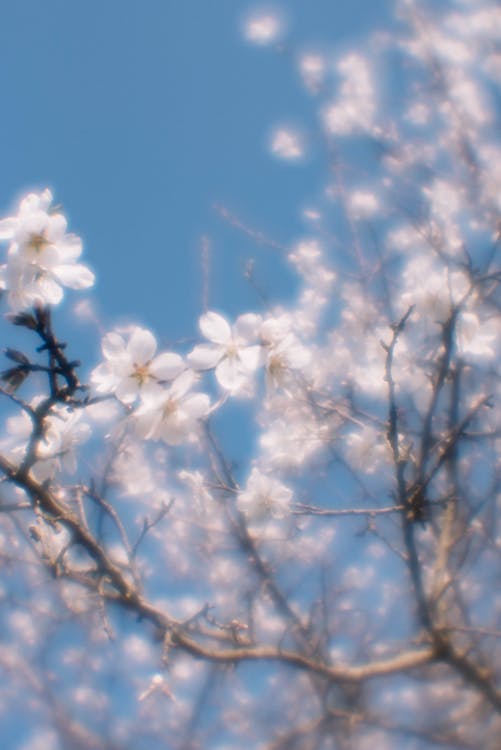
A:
[130,368]
[230,351]
[172,414]
[263,27]
[64,430]
[286,144]
[42,257]
[355,108]
[264,497]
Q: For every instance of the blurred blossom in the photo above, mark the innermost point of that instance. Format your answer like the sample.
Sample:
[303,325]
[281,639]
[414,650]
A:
[41,258]
[367,450]
[312,69]
[354,109]
[287,144]
[312,214]
[363,204]
[478,339]
[230,350]
[263,27]
[172,414]
[264,497]
[131,367]
[84,310]
[64,430]
[418,113]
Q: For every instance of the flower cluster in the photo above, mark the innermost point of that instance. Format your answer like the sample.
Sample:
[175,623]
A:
[41,258]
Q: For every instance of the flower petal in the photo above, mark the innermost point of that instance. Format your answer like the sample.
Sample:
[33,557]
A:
[246,328]
[251,357]
[127,390]
[75,276]
[113,346]
[167,366]
[142,346]
[8,227]
[215,328]
[230,375]
[197,405]
[70,248]
[47,291]
[205,357]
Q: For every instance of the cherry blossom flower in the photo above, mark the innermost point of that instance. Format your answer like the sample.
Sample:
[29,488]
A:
[63,431]
[363,204]
[263,28]
[42,257]
[355,108]
[312,68]
[172,414]
[131,368]
[284,353]
[263,497]
[477,339]
[229,352]
[287,144]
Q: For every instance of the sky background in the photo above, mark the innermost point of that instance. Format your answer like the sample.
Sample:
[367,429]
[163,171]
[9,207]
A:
[140,116]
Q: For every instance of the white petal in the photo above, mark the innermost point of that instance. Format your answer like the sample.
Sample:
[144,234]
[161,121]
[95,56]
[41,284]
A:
[205,357]
[127,390]
[48,258]
[251,357]
[197,405]
[47,291]
[182,384]
[173,430]
[70,248]
[142,346]
[247,327]
[215,328]
[75,276]
[56,227]
[103,378]
[298,356]
[230,375]
[167,366]
[7,228]
[113,346]
[146,422]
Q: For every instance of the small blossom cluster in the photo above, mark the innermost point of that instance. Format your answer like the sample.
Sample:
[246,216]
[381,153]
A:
[42,257]
[158,389]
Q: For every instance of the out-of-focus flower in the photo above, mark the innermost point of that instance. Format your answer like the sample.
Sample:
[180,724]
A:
[362,204]
[229,352]
[476,339]
[63,431]
[42,257]
[172,414]
[284,353]
[354,109]
[131,368]
[263,27]
[286,144]
[312,69]
[263,497]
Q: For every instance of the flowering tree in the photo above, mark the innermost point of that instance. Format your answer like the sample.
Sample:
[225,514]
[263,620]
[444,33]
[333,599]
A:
[337,588]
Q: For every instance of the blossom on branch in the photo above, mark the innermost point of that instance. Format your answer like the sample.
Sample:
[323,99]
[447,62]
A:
[55,451]
[230,351]
[130,368]
[264,497]
[284,353]
[42,257]
[172,414]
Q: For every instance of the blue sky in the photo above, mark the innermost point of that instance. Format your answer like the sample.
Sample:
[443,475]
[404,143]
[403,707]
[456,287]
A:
[140,116]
